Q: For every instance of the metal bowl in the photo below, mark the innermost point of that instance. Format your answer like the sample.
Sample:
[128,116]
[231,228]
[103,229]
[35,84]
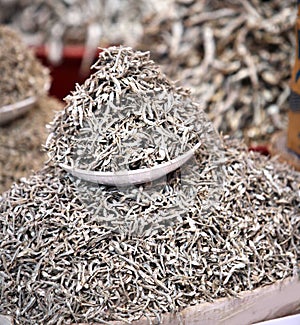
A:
[131,177]
[10,112]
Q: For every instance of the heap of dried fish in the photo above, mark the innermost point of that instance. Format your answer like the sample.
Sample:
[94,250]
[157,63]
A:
[74,251]
[63,261]
[21,141]
[236,56]
[127,115]
[22,76]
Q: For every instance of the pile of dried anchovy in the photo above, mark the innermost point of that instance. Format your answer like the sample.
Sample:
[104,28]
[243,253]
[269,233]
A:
[62,262]
[22,75]
[236,55]
[21,141]
[126,115]
[74,251]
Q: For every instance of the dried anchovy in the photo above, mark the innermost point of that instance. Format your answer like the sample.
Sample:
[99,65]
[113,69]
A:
[21,142]
[22,75]
[127,114]
[60,263]
[236,56]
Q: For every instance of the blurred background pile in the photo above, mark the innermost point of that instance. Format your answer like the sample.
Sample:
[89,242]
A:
[236,55]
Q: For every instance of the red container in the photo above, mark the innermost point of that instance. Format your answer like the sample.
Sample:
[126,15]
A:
[263,149]
[65,74]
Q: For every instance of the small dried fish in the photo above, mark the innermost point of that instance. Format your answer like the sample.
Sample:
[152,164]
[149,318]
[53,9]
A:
[127,114]
[65,261]
[22,75]
[21,142]
[72,251]
[246,36]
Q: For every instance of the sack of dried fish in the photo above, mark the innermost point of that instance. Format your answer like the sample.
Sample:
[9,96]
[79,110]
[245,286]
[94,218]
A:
[62,263]
[21,142]
[22,75]
[127,115]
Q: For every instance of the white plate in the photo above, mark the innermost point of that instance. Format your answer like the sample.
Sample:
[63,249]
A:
[139,176]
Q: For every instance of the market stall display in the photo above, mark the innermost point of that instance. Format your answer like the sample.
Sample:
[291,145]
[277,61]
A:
[225,225]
